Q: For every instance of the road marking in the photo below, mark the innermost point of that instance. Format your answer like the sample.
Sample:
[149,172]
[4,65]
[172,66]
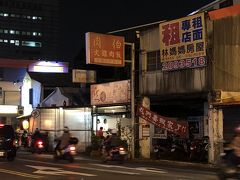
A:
[151,170]
[49,156]
[155,170]
[85,168]
[56,171]
[17,173]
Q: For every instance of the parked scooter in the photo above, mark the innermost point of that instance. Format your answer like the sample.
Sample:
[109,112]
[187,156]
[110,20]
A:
[179,150]
[161,151]
[227,167]
[115,154]
[67,153]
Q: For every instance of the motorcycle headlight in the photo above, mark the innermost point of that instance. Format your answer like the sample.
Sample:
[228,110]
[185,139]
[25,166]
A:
[40,143]
[72,148]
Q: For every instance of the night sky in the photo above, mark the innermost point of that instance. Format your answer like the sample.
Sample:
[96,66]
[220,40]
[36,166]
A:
[78,17]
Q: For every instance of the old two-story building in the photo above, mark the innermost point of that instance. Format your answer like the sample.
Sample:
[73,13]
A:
[189,72]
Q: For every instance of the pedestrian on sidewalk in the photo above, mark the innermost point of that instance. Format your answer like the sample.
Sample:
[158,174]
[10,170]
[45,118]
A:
[100,133]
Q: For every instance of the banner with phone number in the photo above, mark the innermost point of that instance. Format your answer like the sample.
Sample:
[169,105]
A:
[182,43]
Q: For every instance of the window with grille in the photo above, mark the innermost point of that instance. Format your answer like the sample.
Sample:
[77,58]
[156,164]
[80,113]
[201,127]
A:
[153,61]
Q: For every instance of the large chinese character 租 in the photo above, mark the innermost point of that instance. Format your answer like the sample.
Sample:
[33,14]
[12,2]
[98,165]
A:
[171,34]
[166,34]
[186,25]
[174,33]
[197,22]
[197,34]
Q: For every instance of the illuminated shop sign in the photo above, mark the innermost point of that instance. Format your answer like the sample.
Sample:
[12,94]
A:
[110,93]
[102,49]
[182,43]
[48,67]
[8,109]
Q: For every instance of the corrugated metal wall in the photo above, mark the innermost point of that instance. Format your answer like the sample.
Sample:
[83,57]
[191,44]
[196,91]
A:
[226,64]
[79,121]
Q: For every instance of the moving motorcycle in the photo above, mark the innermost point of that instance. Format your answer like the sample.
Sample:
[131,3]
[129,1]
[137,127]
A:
[227,168]
[68,152]
[118,153]
[38,146]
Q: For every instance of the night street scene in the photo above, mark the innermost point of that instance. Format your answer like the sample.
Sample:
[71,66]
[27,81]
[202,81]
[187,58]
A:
[102,90]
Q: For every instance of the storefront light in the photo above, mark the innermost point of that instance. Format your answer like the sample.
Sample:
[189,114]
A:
[48,124]
[25,124]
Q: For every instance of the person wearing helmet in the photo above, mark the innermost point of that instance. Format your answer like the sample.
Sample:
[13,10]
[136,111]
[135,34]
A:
[235,145]
[64,138]
[113,140]
[35,136]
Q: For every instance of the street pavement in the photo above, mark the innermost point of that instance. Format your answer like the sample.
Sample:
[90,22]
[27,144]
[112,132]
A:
[42,166]
[150,162]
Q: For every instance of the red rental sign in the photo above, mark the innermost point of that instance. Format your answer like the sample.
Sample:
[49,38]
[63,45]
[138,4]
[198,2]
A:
[173,126]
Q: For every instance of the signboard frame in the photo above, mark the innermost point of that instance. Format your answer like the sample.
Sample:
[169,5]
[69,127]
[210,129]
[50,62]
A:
[106,50]
[183,43]
[117,92]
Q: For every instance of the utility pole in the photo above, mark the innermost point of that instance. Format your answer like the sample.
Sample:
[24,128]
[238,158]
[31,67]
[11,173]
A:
[132,98]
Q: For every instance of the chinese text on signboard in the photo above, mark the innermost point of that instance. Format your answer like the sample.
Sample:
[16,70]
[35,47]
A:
[173,126]
[104,49]
[182,43]
[110,93]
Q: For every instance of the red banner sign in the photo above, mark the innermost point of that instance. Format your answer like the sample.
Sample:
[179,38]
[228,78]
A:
[173,126]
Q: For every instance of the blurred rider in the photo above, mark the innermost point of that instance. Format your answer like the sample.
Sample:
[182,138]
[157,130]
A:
[235,145]
[64,139]
[113,141]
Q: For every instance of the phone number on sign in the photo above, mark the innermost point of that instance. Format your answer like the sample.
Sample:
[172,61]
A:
[184,63]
